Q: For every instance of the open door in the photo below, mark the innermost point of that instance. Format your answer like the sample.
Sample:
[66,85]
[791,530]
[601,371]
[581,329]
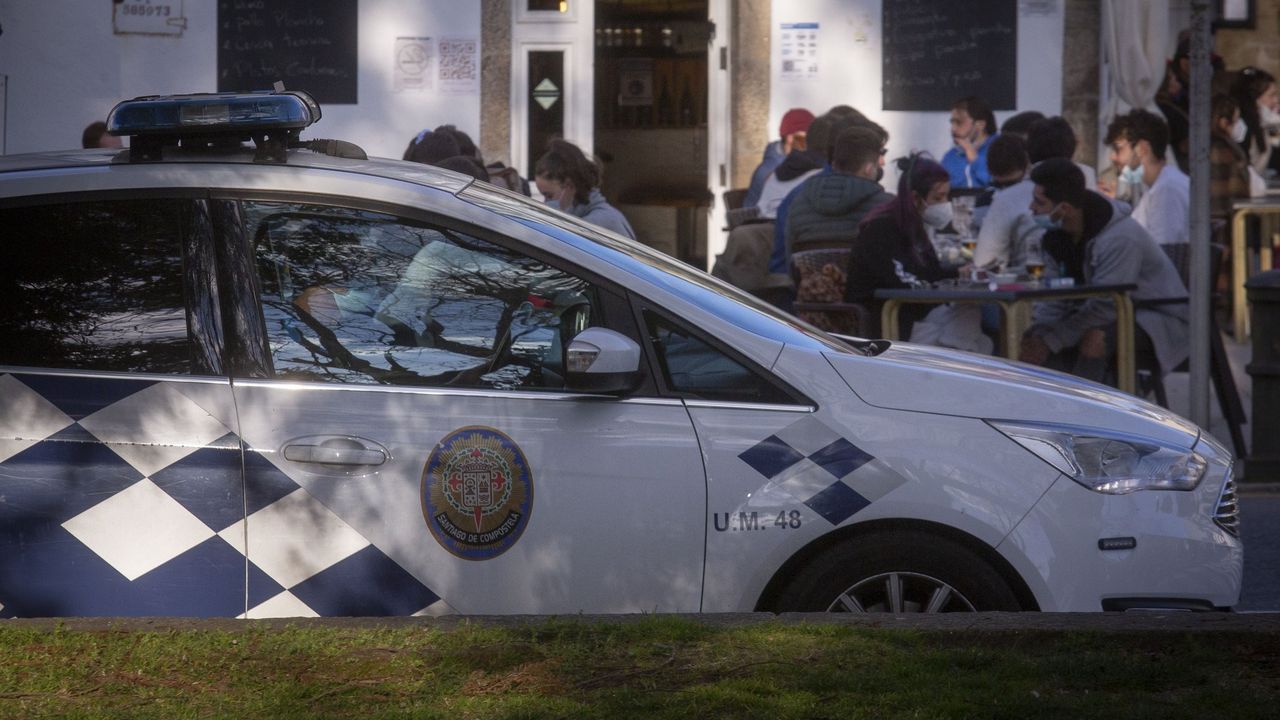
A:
[661,118]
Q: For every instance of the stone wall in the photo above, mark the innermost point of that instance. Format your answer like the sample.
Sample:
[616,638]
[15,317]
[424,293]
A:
[1259,47]
[495,80]
[749,60]
[1081,68]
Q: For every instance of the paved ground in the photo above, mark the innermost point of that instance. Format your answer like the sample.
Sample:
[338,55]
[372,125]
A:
[1260,529]
[1177,386]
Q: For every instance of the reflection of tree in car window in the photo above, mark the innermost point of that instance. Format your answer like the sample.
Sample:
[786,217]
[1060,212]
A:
[694,367]
[353,296]
[98,286]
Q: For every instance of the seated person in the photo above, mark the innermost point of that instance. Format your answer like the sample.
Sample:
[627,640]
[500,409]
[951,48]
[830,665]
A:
[803,162]
[826,212]
[1228,162]
[792,135]
[1007,227]
[1098,244]
[1054,137]
[973,125]
[893,248]
[1020,124]
[1165,208]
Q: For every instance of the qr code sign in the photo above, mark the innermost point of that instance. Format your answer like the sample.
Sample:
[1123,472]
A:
[458,60]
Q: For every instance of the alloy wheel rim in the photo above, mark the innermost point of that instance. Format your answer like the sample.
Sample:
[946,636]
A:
[901,592]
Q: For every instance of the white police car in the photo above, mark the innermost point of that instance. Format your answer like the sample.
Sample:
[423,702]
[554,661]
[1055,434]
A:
[287,380]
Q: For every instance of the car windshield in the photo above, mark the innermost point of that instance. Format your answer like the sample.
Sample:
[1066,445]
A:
[700,288]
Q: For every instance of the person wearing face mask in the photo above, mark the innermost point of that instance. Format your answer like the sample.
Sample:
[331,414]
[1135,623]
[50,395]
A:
[1006,226]
[893,249]
[1165,208]
[1228,163]
[1254,90]
[1098,244]
[570,183]
[1126,185]
[1007,230]
[973,126]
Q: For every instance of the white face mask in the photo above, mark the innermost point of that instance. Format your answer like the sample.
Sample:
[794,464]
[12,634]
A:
[1268,117]
[1239,130]
[1131,175]
[937,216]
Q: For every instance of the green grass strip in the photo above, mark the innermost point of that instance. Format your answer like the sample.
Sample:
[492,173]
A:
[652,668]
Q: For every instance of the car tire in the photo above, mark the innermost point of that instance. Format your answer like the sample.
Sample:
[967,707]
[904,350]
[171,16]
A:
[904,571]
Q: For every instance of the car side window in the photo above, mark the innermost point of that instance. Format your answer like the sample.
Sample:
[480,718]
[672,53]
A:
[354,296]
[96,285]
[693,367]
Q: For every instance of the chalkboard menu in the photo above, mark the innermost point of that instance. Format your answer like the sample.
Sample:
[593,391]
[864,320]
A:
[938,51]
[310,45]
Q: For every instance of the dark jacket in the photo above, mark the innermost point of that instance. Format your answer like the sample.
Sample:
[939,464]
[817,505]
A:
[827,209]
[884,257]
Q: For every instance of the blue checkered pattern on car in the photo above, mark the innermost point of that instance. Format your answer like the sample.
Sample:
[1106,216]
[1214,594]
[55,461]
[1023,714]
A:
[50,565]
[811,462]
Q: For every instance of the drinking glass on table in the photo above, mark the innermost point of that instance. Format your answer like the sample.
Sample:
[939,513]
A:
[962,216]
[1035,260]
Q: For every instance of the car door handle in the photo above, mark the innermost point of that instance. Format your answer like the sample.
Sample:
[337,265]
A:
[335,453]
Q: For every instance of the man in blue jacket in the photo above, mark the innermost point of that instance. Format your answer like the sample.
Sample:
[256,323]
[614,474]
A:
[973,126]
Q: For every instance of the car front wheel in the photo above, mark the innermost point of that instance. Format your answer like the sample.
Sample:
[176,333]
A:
[898,572]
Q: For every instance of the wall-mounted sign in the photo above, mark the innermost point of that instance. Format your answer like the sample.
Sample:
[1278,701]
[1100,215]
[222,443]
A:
[799,50]
[546,93]
[460,66]
[309,45]
[635,81]
[413,67]
[148,17]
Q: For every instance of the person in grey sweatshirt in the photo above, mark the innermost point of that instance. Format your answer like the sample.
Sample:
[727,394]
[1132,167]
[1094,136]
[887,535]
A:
[1096,243]
[570,182]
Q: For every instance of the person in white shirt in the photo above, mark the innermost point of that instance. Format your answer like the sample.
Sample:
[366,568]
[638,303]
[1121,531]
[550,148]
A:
[1006,223]
[1139,150]
[1007,228]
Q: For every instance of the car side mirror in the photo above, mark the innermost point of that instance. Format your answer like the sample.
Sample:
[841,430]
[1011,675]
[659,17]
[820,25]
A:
[602,361]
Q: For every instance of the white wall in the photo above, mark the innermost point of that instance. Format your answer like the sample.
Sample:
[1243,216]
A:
[66,68]
[849,63]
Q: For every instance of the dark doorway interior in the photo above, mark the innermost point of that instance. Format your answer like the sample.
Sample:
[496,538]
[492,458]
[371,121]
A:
[651,118]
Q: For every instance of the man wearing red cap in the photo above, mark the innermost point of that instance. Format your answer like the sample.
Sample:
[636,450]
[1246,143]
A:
[795,123]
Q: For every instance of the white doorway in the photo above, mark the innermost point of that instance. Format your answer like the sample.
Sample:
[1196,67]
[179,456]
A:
[552,91]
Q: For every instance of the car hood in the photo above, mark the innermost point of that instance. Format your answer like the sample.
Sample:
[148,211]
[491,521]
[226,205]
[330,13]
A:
[919,378]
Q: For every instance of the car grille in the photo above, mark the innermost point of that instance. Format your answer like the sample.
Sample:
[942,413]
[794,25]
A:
[1227,513]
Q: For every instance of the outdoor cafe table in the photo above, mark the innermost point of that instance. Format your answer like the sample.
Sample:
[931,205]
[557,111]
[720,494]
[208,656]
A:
[1240,212]
[1015,303]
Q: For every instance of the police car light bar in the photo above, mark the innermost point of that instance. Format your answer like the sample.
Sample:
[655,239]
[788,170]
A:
[213,114]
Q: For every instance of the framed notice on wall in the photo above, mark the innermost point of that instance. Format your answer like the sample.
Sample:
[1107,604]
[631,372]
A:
[309,45]
[1236,14]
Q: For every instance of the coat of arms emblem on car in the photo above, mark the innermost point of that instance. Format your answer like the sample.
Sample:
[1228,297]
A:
[477,491]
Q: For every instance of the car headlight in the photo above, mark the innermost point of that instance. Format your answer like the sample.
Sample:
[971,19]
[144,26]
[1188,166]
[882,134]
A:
[1106,461]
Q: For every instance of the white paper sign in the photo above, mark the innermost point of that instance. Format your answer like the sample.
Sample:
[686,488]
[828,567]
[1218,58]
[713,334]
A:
[798,50]
[413,67]
[148,17]
[460,66]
